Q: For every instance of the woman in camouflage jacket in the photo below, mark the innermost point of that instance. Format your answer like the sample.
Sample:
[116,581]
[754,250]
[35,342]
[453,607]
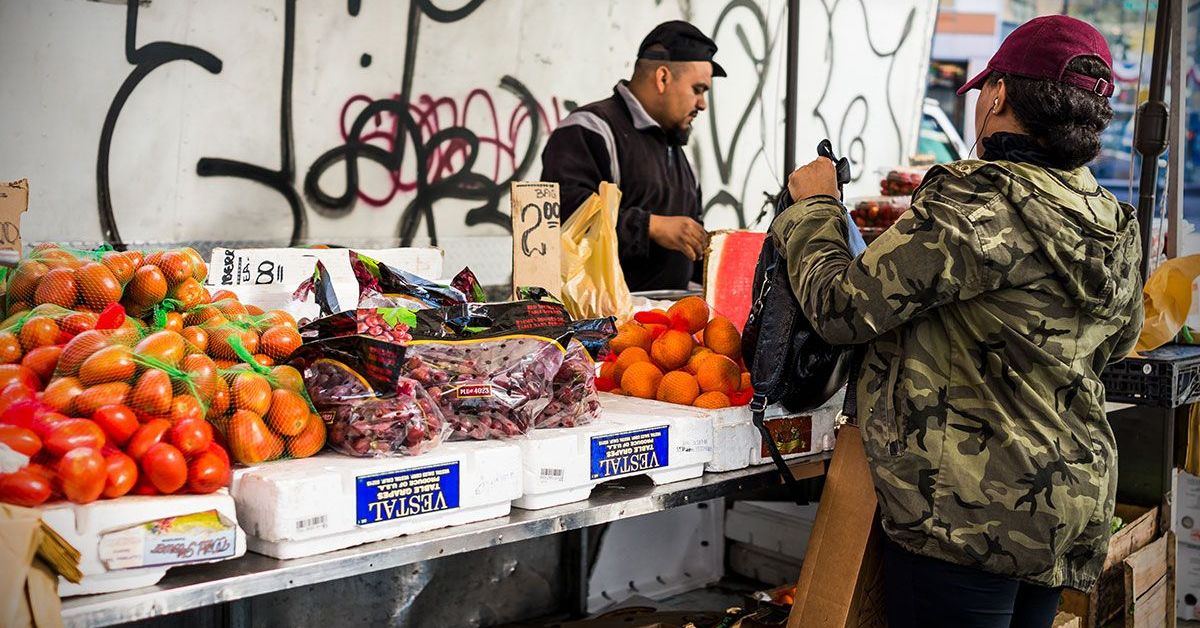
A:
[988,312]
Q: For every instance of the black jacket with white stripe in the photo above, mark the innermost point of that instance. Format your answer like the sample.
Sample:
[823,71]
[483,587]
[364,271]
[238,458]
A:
[615,140]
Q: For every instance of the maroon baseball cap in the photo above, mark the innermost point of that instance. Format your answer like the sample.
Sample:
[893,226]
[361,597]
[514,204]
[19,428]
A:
[1041,49]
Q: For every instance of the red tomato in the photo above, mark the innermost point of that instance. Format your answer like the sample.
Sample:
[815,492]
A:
[13,393]
[24,488]
[148,435]
[207,473]
[118,422]
[192,436]
[43,423]
[143,486]
[122,473]
[15,373]
[219,450]
[22,413]
[20,439]
[82,475]
[166,468]
[73,433]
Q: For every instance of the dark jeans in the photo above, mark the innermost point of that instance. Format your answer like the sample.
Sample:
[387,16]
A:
[922,592]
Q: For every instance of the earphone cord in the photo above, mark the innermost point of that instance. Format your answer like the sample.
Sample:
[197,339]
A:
[982,129]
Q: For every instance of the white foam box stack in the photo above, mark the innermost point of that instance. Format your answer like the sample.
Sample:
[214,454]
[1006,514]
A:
[297,508]
[738,444]
[770,539]
[128,543]
[666,442]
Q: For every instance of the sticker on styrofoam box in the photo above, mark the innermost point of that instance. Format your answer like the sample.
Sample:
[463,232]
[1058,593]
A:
[1187,581]
[738,443]
[132,541]
[666,442]
[268,277]
[309,506]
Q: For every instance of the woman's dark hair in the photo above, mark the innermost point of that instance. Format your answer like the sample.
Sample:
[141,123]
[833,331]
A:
[1064,119]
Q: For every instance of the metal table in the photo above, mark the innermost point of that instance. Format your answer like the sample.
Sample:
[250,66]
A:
[198,586]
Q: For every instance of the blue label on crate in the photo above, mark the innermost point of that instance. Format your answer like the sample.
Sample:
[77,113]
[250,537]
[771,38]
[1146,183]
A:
[629,452]
[398,494]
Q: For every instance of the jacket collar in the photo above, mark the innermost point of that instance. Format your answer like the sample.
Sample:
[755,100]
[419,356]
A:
[641,120]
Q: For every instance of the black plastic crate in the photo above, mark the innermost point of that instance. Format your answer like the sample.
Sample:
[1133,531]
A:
[1167,377]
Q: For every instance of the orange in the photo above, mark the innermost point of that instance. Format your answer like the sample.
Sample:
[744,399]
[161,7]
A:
[691,310]
[721,336]
[628,358]
[745,381]
[698,356]
[678,387]
[717,373]
[631,335]
[712,401]
[641,380]
[672,350]
[618,391]
[608,370]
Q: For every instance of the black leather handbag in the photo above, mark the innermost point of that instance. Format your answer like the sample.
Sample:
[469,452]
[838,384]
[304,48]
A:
[789,363]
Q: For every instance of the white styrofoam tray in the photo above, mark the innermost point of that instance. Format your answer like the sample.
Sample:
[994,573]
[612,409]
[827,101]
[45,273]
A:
[666,442]
[304,507]
[737,444]
[85,525]
[777,527]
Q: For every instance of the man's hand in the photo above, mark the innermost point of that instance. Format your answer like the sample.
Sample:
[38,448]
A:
[817,178]
[679,233]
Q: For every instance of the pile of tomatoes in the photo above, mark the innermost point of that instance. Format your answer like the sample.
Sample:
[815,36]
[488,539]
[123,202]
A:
[109,454]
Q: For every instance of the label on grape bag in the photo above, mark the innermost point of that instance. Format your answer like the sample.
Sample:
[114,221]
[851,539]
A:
[406,493]
[198,537]
[629,452]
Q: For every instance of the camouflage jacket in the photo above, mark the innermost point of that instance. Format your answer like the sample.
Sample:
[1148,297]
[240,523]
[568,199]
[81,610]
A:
[988,310]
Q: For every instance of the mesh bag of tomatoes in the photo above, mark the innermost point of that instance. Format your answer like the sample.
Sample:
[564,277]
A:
[93,280]
[268,337]
[269,415]
[32,341]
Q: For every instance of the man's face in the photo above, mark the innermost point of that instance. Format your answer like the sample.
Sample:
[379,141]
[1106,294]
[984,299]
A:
[684,94]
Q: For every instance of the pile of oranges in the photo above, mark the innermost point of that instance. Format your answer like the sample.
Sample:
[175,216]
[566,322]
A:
[684,355]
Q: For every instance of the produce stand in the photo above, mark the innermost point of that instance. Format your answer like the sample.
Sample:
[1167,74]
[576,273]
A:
[254,574]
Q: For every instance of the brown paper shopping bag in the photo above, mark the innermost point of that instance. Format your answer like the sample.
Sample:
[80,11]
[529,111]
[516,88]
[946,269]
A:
[840,580]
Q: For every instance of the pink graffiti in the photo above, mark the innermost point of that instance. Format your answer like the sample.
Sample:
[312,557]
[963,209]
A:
[436,114]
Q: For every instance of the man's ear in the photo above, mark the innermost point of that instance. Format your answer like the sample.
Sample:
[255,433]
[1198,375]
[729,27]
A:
[662,78]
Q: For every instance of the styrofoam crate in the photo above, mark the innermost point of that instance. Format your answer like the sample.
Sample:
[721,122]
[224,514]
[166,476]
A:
[92,529]
[666,442]
[737,444]
[778,527]
[310,506]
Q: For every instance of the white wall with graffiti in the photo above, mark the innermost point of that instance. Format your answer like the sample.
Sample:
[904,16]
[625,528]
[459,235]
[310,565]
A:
[276,121]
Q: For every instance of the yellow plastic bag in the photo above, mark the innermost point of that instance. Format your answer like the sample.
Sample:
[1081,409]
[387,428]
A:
[1167,299]
[593,283]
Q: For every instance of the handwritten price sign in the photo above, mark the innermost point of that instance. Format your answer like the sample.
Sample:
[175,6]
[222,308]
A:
[537,221]
[14,200]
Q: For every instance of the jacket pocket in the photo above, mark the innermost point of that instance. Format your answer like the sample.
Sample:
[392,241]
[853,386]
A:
[890,415]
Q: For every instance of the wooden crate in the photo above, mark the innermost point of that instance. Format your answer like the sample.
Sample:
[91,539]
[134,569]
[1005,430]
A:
[1150,585]
[1106,602]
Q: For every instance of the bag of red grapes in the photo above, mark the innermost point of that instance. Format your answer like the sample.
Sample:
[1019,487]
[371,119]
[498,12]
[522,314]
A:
[382,286]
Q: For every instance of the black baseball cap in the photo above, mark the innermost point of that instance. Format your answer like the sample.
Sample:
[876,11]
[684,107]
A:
[683,42]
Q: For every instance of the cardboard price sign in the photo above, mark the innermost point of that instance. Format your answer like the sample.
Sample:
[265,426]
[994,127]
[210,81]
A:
[14,200]
[537,227]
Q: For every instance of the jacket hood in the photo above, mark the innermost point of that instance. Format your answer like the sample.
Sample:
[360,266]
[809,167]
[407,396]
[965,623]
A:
[1090,240]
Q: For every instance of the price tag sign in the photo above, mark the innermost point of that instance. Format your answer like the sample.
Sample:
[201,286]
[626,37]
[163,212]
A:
[537,226]
[14,200]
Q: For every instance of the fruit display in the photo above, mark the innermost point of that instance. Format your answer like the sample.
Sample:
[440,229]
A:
[875,215]
[684,355]
[89,281]
[901,181]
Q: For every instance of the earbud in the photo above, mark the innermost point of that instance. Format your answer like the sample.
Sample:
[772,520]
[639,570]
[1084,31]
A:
[995,103]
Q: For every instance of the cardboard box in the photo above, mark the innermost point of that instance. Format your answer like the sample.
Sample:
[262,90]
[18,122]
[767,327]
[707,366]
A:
[1066,620]
[1106,601]
[840,581]
[1150,585]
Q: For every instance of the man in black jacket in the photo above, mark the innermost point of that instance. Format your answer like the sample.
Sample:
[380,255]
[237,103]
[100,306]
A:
[635,140]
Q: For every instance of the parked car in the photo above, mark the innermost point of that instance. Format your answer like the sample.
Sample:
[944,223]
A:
[937,136]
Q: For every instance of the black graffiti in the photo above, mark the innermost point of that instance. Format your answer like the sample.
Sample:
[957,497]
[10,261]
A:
[145,60]
[282,180]
[407,143]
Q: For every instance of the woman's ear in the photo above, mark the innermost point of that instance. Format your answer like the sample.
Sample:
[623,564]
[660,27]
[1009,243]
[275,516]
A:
[1000,98]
